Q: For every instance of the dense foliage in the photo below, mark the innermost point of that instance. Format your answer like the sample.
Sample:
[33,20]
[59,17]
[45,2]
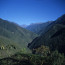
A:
[54,58]
[42,50]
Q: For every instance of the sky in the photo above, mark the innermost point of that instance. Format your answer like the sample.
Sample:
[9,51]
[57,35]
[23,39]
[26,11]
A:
[31,11]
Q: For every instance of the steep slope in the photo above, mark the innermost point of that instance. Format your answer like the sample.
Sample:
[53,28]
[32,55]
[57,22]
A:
[54,36]
[38,27]
[15,37]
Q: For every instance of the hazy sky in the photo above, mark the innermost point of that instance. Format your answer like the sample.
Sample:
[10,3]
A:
[31,11]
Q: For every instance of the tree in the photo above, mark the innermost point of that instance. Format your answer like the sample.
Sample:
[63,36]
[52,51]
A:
[56,58]
[42,50]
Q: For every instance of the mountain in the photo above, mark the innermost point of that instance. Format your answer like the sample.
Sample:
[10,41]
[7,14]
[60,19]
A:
[24,26]
[54,36]
[38,27]
[13,38]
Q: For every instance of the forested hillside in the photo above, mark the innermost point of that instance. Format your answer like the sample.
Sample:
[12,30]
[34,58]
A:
[54,36]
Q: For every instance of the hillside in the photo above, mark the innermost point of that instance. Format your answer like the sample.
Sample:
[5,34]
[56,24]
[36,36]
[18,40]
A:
[47,49]
[38,28]
[54,36]
[13,38]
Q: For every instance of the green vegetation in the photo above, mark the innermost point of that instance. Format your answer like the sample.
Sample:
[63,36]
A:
[54,58]
[13,38]
[47,49]
[42,50]
[54,37]
[51,44]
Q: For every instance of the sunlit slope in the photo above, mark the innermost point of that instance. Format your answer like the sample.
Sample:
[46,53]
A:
[12,34]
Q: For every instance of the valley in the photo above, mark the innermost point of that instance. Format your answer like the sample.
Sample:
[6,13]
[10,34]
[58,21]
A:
[37,44]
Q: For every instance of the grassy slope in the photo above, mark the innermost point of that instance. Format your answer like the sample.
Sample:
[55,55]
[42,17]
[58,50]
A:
[12,34]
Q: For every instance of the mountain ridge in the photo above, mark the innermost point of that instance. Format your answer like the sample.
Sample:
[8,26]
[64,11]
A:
[53,37]
[37,27]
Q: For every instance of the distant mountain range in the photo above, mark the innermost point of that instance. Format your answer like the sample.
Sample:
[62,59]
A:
[54,36]
[14,38]
[24,25]
[38,28]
